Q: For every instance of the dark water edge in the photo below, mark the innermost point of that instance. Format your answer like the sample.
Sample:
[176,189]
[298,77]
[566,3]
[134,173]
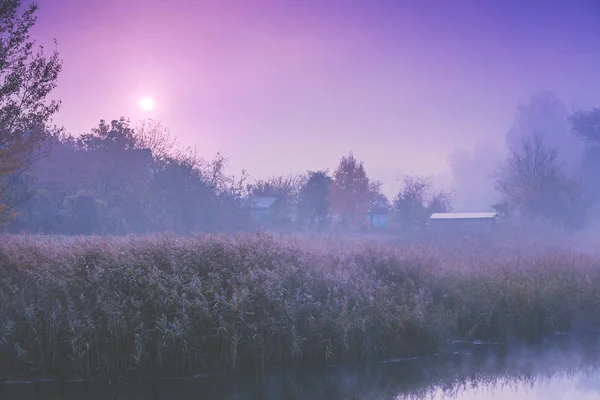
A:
[463,365]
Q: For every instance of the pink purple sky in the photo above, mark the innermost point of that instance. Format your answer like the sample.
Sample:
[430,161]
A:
[283,86]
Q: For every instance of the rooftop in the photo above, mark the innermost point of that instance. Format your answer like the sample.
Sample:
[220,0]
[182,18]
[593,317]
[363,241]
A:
[263,202]
[478,215]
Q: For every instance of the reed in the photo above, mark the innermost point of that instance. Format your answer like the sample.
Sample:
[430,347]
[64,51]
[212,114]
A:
[166,305]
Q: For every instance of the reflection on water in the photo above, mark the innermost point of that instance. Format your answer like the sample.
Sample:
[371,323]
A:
[551,373]
[584,385]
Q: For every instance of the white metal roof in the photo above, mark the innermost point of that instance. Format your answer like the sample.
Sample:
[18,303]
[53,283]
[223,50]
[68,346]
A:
[263,202]
[478,215]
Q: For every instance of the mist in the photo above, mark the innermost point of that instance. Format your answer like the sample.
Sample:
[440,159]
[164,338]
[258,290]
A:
[298,199]
[473,174]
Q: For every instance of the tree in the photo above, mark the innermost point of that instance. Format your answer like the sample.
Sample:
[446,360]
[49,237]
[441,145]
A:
[586,124]
[351,192]
[189,194]
[82,214]
[503,209]
[536,184]
[154,136]
[313,207]
[417,200]
[26,78]
[546,115]
[116,136]
[379,202]
[117,173]
[286,190]
[110,181]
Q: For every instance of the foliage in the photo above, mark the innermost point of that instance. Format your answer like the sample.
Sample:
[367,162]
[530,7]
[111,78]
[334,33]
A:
[287,192]
[116,136]
[503,209]
[27,77]
[379,201]
[314,204]
[351,193]
[586,124]
[83,213]
[168,306]
[417,200]
[132,184]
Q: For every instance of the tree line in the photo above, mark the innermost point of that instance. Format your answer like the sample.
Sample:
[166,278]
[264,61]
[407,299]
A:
[120,180]
[117,179]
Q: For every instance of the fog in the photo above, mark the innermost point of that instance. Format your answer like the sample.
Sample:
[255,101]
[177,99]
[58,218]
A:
[473,174]
[282,91]
[279,89]
[124,178]
[276,186]
[475,171]
[558,370]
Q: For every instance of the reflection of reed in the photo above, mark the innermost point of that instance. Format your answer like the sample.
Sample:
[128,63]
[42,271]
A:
[446,376]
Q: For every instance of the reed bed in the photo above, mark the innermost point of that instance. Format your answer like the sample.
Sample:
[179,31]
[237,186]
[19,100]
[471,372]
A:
[164,305]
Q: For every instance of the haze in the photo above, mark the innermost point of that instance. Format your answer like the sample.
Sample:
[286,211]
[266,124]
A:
[280,87]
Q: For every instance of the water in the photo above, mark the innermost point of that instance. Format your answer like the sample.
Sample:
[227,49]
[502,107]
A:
[549,372]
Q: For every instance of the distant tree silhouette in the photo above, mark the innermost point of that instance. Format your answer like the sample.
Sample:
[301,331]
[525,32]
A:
[380,204]
[287,191]
[109,181]
[314,203]
[417,200]
[116,136]
[351,192]
[586,124]
[534,182]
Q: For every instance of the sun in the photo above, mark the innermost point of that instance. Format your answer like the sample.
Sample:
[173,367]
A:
[147,104]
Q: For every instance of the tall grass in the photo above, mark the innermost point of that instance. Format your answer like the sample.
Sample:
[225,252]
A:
[166,305]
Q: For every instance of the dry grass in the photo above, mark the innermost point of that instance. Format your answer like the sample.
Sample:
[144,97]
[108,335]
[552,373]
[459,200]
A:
[166,305]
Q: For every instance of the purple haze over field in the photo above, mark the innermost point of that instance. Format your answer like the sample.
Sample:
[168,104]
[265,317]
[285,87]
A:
[286,86]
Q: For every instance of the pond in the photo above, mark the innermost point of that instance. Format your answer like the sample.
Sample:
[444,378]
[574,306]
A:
[553,371]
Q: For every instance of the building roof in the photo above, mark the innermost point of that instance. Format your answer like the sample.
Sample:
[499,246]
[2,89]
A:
[263,202]
[480,215]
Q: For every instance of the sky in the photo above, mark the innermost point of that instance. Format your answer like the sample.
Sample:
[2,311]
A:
[285,86]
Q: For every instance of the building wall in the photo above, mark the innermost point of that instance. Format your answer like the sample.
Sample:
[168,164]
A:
[478,225]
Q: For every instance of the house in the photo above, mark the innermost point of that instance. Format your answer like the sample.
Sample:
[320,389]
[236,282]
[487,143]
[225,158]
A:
[262,208]
[378,219]
[480,222]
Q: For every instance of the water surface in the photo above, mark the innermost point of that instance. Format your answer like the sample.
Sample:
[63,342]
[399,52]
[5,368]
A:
[550,372]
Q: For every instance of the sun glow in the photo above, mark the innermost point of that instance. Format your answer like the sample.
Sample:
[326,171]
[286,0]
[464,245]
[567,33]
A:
[147,104]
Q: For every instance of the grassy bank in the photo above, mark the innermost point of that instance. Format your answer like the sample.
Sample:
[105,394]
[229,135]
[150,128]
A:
[166,305]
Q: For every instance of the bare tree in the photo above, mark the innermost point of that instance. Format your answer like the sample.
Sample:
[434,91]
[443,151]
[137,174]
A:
[535,183]
[153,135]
